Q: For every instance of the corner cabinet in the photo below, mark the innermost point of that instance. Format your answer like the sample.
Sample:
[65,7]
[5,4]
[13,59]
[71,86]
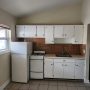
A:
[79,33]
[79,69]
[49,36]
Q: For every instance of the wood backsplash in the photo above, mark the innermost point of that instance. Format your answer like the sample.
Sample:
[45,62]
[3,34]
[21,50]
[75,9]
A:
[39,44]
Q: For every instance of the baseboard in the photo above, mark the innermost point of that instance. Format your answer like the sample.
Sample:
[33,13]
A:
[86,81]
[4,85]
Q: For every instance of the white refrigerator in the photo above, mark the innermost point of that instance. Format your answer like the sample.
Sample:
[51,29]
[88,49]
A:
[20,53]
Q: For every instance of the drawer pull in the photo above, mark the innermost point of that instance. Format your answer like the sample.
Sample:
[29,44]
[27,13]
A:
[76,65]
[64,60]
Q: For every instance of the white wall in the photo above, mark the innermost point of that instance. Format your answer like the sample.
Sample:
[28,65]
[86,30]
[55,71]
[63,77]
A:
[8,20]
[86,21]
[58,15]
[4,68]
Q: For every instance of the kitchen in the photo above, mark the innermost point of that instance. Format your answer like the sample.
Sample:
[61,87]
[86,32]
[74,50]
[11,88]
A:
[49,53]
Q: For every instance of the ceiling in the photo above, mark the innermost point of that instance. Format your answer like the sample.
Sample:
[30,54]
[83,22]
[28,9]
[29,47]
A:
[24,7]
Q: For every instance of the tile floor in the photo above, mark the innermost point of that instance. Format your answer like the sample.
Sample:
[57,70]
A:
[48,85]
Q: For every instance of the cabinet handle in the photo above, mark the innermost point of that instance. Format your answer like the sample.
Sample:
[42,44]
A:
[64,60]
[65,65]
[76,41]
[76,65]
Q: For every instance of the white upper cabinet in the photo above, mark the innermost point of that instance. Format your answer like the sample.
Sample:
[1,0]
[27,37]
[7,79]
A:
[20,31]
[49,37]
[79,32]
[58,31]
[30,31]
[40,31]
[68,31]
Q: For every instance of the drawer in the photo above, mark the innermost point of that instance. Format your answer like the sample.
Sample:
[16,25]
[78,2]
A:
[68,60]
[58,60]
[63,60]
[34,75]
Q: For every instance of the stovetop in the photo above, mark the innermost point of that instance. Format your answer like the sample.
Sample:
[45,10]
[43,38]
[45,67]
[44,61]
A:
[36,53]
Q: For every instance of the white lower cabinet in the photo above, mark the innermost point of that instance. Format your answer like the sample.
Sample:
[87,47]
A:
[58,70]
[48,68]
[67,69]
[79,69]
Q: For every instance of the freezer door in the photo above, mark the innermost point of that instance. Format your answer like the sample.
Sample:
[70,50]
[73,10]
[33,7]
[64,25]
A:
[20,67]
[19,47]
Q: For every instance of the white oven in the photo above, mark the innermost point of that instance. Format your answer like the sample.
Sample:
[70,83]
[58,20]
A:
[36,65]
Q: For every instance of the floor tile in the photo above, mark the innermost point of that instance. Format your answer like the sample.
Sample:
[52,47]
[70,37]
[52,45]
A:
[81,88]
[52,87]
[72,88]
[35,82]
[71,84]
[43,87]
[62,83]
[49,85]
[62,88]
[87,88]
[24,87]
[52,82]
[33,87]
[44,82]
[14,86]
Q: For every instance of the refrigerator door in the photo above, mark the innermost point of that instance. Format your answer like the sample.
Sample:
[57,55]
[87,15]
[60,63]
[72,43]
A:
[19,47]
[20,71]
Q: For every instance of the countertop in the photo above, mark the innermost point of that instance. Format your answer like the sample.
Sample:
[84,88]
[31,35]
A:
[73,56]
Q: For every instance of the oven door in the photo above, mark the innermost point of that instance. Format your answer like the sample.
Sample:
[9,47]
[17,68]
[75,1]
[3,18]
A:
[36,66]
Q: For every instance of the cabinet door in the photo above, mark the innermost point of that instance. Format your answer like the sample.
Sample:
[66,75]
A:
[20,31]
[30,31]
[68,31]
[48,68]
[58,70]
[58,31]
[79,69]
[69,70]
[40,31]
[49,38]
[79,31]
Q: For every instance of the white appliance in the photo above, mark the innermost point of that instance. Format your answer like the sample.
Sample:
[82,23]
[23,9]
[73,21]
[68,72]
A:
[36,65]
[20,52]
